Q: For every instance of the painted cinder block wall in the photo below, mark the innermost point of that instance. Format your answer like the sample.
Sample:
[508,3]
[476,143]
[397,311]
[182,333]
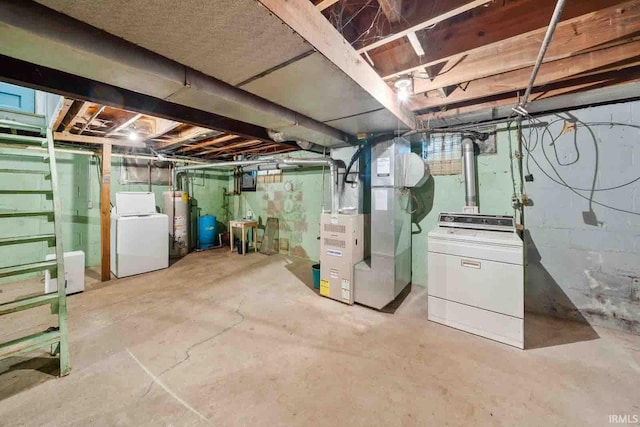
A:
[298,209]
[575,270]
[583,262]
[584,259]
[80,196]
[445,193]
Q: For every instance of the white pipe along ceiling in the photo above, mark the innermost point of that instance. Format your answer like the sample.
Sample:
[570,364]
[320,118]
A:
[234,58]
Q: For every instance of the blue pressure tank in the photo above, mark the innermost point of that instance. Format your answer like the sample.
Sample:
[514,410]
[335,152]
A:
[207,231]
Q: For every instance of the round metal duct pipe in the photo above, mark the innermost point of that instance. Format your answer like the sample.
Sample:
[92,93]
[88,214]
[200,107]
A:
[283,163]
[470,182]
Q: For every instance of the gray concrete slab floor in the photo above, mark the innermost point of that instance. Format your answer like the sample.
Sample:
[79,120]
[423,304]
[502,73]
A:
[223,339]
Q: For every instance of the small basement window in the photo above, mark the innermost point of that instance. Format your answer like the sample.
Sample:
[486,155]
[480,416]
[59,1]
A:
[443,153]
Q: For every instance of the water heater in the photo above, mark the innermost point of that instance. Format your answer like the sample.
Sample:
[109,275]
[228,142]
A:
[176,206]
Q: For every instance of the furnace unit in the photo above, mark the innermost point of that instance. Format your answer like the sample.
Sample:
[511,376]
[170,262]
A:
[341,246]
[366,256]
[386,271]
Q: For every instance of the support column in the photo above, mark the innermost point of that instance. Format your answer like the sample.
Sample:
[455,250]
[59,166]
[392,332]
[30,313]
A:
[105,213]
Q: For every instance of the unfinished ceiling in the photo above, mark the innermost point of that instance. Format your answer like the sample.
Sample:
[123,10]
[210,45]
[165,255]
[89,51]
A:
[285,67]
[465,56]
[86,123]
[200,32]
[211,56]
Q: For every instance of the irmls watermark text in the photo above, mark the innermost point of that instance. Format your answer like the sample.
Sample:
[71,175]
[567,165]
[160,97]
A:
[624,419]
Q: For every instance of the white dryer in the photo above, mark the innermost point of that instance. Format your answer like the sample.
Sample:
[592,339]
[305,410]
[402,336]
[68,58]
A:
[139,235]
[476,276]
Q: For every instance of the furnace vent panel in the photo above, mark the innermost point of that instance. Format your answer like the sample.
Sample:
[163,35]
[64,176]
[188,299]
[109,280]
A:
[341,246]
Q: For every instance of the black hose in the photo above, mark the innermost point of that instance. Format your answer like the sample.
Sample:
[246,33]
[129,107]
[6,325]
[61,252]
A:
[355,156]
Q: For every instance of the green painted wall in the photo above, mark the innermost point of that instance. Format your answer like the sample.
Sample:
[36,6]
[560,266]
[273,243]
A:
[80,195]
[208,188]
[298,211]
[446,193]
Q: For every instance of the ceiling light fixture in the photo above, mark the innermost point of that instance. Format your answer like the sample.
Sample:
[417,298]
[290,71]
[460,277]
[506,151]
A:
[404,88]
[133,136]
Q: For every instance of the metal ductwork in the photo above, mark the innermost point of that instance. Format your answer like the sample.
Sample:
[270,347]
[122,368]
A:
[39,35]
[386,269]
[470,173]
[266,164]
[280,82]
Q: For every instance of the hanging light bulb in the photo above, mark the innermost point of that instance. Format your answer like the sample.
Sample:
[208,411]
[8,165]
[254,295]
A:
[133,136]
[404,89]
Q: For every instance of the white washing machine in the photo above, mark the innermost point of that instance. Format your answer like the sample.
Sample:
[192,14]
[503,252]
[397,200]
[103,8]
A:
[139,235]
[476,276]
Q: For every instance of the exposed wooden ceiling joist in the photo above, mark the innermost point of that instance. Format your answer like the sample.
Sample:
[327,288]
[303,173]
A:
[96,113]
[415,44]
[265,147]
[392,9]
[83,139]
[66,105]
[230,146]
[317,31]
[208,142]
[428,16]
[325,4]
[618,57]
[268,149]
[193,132]
[614,25]
[492,24]
[163,126]
[124,124]
[69,118]
[572,86]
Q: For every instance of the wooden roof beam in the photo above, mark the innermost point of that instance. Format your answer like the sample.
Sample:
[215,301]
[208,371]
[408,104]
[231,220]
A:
[70,117]
[99,110]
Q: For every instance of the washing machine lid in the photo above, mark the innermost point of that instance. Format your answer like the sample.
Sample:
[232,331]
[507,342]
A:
[135,203]
[478,244]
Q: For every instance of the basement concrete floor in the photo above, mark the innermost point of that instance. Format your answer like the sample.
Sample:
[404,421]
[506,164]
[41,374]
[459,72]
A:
[221,339]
